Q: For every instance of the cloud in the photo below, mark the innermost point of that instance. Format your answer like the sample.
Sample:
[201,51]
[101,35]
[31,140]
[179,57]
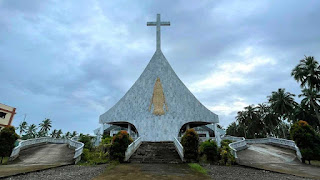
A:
[72,61]
[235,72]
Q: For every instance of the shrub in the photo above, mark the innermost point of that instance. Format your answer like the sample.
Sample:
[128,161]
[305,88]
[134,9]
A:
[87,141]
[120,143]
[190,143]
[105,144]
[93,157]
[210,150]
[225,156]
[307,140]
[8,137]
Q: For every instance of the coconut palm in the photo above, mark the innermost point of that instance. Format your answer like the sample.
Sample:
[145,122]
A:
[23,127]
[59,133]
[74,133]
[269,118]
[307,72]
[67,135]
[311,99]
[241,118]
[282,103]
[45,127]
[31,131]
[232,129]
[54,133]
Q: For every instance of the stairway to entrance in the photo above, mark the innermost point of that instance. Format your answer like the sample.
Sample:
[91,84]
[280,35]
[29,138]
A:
[156,152]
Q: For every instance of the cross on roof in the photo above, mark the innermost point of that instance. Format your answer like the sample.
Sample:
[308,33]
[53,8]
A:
[158,24]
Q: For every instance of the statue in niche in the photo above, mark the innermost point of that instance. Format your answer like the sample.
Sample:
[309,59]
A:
[158,99]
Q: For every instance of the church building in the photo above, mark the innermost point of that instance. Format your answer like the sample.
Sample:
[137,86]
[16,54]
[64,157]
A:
[158,107]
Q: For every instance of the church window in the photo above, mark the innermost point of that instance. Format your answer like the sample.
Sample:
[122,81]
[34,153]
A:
[3,115]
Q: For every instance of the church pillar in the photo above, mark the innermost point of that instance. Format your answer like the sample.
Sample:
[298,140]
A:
[217,135]
[129,129]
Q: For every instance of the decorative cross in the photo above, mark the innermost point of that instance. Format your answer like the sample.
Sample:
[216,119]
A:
[158,24]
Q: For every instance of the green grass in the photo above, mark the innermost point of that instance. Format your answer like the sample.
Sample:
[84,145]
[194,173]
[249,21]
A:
[196,167]
[315,163]
[4,160]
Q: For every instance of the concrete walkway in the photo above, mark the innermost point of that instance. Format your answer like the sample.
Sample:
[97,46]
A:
[39,158]
[276,159]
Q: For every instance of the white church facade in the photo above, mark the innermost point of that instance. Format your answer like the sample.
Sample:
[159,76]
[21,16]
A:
[158,107]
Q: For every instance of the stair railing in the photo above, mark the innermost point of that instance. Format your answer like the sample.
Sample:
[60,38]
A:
[179,148]
[132,148]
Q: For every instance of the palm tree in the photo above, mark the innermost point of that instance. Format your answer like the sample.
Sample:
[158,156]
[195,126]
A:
[311,99]
[232,129]
[269,119]
[241,118]
[31,132]
[74,133]
[59,133]
[282,103]
[54,133]
[307,72]
[23,127]
[67,135]
[45,126]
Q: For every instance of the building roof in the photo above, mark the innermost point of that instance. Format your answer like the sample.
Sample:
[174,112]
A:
[182,104]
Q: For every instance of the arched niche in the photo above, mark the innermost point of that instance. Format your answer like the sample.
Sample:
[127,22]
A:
[199,126]
[123,125]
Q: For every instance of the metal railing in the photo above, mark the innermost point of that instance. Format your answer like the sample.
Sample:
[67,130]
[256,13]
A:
[78,146]
[179,148]
[132,148]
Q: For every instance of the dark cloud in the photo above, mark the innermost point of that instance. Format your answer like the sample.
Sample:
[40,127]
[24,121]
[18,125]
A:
[71,61]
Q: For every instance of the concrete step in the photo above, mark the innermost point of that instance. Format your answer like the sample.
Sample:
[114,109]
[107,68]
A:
[156,152]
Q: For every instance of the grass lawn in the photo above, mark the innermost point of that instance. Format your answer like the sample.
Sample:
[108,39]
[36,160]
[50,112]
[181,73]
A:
[5,160]
[315,163]
[153,171]
[198,168]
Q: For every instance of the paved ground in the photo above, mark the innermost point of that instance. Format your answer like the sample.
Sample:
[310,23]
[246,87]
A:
[63,173]
[276,159]
[39,157]
[152,171]
[246,173]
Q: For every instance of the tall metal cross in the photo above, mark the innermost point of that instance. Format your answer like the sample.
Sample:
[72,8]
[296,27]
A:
[158,24]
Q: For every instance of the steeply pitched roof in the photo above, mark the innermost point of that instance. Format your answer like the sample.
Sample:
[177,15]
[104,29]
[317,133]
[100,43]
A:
[182,104]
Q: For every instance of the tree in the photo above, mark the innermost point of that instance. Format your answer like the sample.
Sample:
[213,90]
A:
[54,133]
[45,127]
[31,131]
[242,120]
[232,129]
[23,127]
[307,72]
[8,137]
[67,135]
[250,122]
[269,119]
[311,99]
[74,134]
[307,140]
[282,103]
[59,133]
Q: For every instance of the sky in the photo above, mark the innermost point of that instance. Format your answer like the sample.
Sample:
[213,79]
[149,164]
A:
[70,61]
